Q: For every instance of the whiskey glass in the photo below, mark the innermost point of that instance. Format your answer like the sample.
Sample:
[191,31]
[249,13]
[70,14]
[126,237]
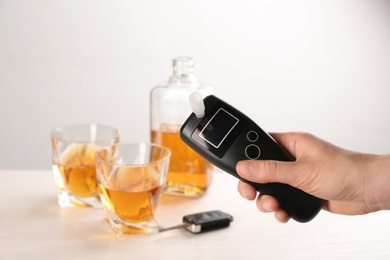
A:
[131,178]
[73,156]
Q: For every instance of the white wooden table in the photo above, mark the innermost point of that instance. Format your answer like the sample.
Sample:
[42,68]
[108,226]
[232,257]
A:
[33,226]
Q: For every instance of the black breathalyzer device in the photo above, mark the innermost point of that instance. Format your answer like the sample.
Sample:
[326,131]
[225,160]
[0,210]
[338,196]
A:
[223,135]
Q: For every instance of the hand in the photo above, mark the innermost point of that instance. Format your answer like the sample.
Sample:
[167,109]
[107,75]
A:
[351,183]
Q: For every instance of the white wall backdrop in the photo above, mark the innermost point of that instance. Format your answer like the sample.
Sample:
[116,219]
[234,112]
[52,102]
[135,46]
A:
[316,66]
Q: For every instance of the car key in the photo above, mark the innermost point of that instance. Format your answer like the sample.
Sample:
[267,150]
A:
[202,222]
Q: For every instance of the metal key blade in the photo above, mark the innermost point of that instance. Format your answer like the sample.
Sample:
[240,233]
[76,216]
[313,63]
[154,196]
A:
[184,225]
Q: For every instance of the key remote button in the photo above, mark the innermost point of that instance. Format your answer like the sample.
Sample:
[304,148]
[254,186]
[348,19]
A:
[252,136]
[252,152]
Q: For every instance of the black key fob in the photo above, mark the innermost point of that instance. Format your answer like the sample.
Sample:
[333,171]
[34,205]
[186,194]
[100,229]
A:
[206,221]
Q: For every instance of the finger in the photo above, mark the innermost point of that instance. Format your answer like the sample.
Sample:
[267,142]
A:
[267,203]
[246,191]
[282,216]
[288,141]
[295,142]
[265,171]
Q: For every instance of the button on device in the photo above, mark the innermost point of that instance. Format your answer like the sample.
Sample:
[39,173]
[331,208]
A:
[252,136]
[252,151]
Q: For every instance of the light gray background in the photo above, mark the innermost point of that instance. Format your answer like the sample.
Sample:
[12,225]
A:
[316,66]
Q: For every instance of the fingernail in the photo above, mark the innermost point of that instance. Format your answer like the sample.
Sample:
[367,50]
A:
[267,207]
[244,195]
[251,168]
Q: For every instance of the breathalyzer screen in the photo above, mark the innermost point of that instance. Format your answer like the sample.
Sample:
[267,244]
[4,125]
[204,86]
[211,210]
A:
[218,127]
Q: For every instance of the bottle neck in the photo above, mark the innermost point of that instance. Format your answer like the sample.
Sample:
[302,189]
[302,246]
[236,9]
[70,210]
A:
[183,72]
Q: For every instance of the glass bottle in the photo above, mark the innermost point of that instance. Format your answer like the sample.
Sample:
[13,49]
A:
[189,174]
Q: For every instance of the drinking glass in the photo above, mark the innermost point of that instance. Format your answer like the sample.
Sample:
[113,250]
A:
[73,155]
[131,178]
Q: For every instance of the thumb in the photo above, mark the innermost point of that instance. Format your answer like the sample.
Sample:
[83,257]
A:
[265,171]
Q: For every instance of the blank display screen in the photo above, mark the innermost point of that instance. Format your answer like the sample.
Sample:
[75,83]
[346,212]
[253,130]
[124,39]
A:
[218,128]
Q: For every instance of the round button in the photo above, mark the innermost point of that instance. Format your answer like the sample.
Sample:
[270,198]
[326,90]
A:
[252,136]
[252,152]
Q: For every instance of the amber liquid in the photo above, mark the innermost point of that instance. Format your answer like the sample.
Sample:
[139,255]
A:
[189,174]
[77,169]
[130,196]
